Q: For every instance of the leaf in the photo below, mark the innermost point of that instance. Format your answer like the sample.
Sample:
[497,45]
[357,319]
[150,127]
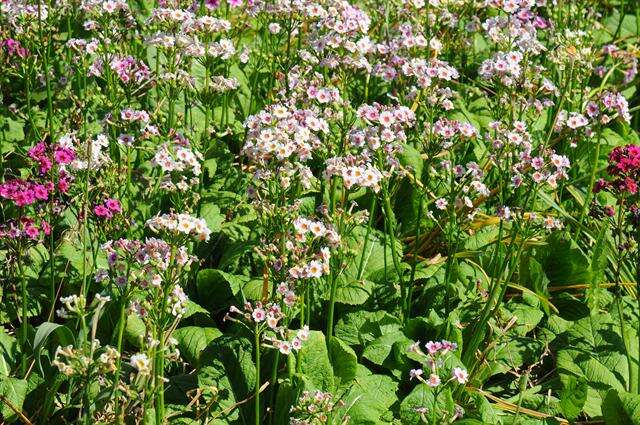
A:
[422,397]
[354,288]
[621,408]
[193,309]
[46,329]
[593,350]
[12,390]
[370,397]
[314,363]
[8,352]
[573,396]
[598,267]
[134,330]
[343,360]
[224,285]
[353,292]
[379,349]
[192,340]
[211,214]
[564,263]
[362,327]
[227,376]
[210,166]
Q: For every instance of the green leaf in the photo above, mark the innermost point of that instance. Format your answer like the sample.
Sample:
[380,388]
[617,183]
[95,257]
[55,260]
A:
[134,330]
[370,397]
[47,329]
[593,350]
[211,214]
[354,288]
[621,408]
[224,285]
[314,363]
[192,340]
[227,376]
[362,327]
[13,391]
[565,264]
[379,349]
[422,397]
[210,166]
[573,396]
[8,352]
[343,360]
[598,266]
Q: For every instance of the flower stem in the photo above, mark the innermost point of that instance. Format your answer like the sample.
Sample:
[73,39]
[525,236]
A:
[257,386]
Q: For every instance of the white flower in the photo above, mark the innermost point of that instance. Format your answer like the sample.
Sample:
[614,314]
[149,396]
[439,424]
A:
[141,363]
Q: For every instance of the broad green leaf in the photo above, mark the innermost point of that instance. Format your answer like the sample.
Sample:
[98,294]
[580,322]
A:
[621,408]
[192,340]
[47,329]
[593,350]
[421,400]
[370,397]
[224,285]
[573,396]
[564,263]
[211,214]
[12,394]
[362,327]
[8,352]
[314,363]
[343,360]
[379,349]
[227,376]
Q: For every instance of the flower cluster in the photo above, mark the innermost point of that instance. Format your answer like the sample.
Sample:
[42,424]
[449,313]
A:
[434,361]
[281,132]
[72,361]
[142,264]
[46,155]
[180,224]
[624,169]
[268,317]
[25,227]
[129,70]
[179,163]
[23,193]
[504,66]
[340,35]
[107,209]
[312,408]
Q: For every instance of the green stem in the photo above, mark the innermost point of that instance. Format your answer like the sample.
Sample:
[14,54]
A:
[119,337]
[592,181]
[23,325]
[333,284]
[257,386]
[372,211]
[391,230]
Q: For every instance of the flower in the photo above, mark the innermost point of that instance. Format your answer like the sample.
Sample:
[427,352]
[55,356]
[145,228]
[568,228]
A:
[141,363]
[415,373]
[460,375]
[434,380]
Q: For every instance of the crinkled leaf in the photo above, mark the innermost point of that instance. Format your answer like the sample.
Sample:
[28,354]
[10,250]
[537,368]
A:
[192,340]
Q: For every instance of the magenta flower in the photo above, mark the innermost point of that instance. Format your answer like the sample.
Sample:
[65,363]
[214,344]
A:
[113,205]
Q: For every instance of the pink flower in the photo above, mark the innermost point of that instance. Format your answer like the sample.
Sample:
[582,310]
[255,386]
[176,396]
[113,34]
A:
[434,380]
[258,315]
[460,375]
[102,211]
[113,205]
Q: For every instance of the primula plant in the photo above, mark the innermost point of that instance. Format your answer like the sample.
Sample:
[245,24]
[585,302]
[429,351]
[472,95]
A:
[319,212]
